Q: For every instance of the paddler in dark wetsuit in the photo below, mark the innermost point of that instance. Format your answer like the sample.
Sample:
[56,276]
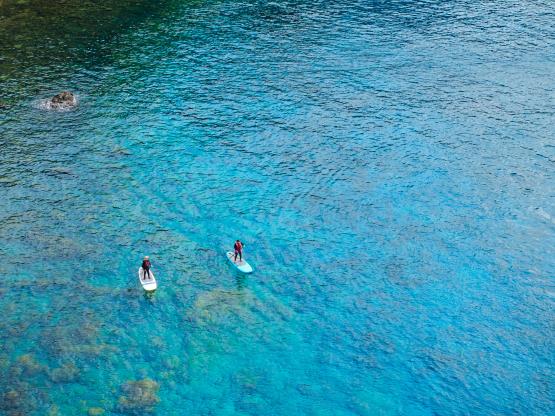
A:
[238,246]
[146,268]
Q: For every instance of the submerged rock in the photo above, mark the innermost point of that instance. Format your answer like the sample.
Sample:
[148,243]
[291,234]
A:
[54,410]
[70,341]
[29,366]
[139,397]
[173,362]
[10,400]
[64,374]
[19,399]
[96,411]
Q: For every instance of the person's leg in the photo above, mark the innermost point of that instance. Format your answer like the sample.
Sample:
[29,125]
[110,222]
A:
[235,258]
[240,255]
[146,275]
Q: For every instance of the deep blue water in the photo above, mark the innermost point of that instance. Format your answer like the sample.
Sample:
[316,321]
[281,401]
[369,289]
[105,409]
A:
[390,166]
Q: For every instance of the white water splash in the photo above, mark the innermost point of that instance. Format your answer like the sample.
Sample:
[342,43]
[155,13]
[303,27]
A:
[46,104]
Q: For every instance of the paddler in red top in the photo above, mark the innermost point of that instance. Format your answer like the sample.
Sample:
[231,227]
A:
[238,246]
[146,268]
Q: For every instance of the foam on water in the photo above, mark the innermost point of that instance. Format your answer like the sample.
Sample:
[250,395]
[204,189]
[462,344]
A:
[46,104]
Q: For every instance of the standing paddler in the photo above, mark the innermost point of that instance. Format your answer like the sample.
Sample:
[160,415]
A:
[238,246]
[146,268]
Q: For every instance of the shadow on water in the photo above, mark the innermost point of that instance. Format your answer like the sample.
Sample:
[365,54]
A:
[149,297]
[240,280]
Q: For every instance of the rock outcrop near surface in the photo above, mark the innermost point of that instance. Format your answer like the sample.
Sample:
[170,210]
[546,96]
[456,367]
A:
[64,99]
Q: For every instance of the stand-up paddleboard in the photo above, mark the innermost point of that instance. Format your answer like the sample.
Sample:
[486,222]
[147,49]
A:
[149,284]
[241,265]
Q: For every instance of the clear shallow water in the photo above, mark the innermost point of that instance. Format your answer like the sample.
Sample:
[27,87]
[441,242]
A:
[390,167]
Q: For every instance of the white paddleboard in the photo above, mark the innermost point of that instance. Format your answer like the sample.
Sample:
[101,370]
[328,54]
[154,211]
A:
[241,265]
[149,284]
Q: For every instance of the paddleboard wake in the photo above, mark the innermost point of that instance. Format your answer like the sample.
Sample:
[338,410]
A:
[149,284]
[240,265]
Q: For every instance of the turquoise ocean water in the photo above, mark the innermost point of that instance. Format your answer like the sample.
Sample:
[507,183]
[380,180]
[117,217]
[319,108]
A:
[390,166]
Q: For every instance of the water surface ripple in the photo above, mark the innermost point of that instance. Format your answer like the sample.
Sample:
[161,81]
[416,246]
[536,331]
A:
[389,165]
